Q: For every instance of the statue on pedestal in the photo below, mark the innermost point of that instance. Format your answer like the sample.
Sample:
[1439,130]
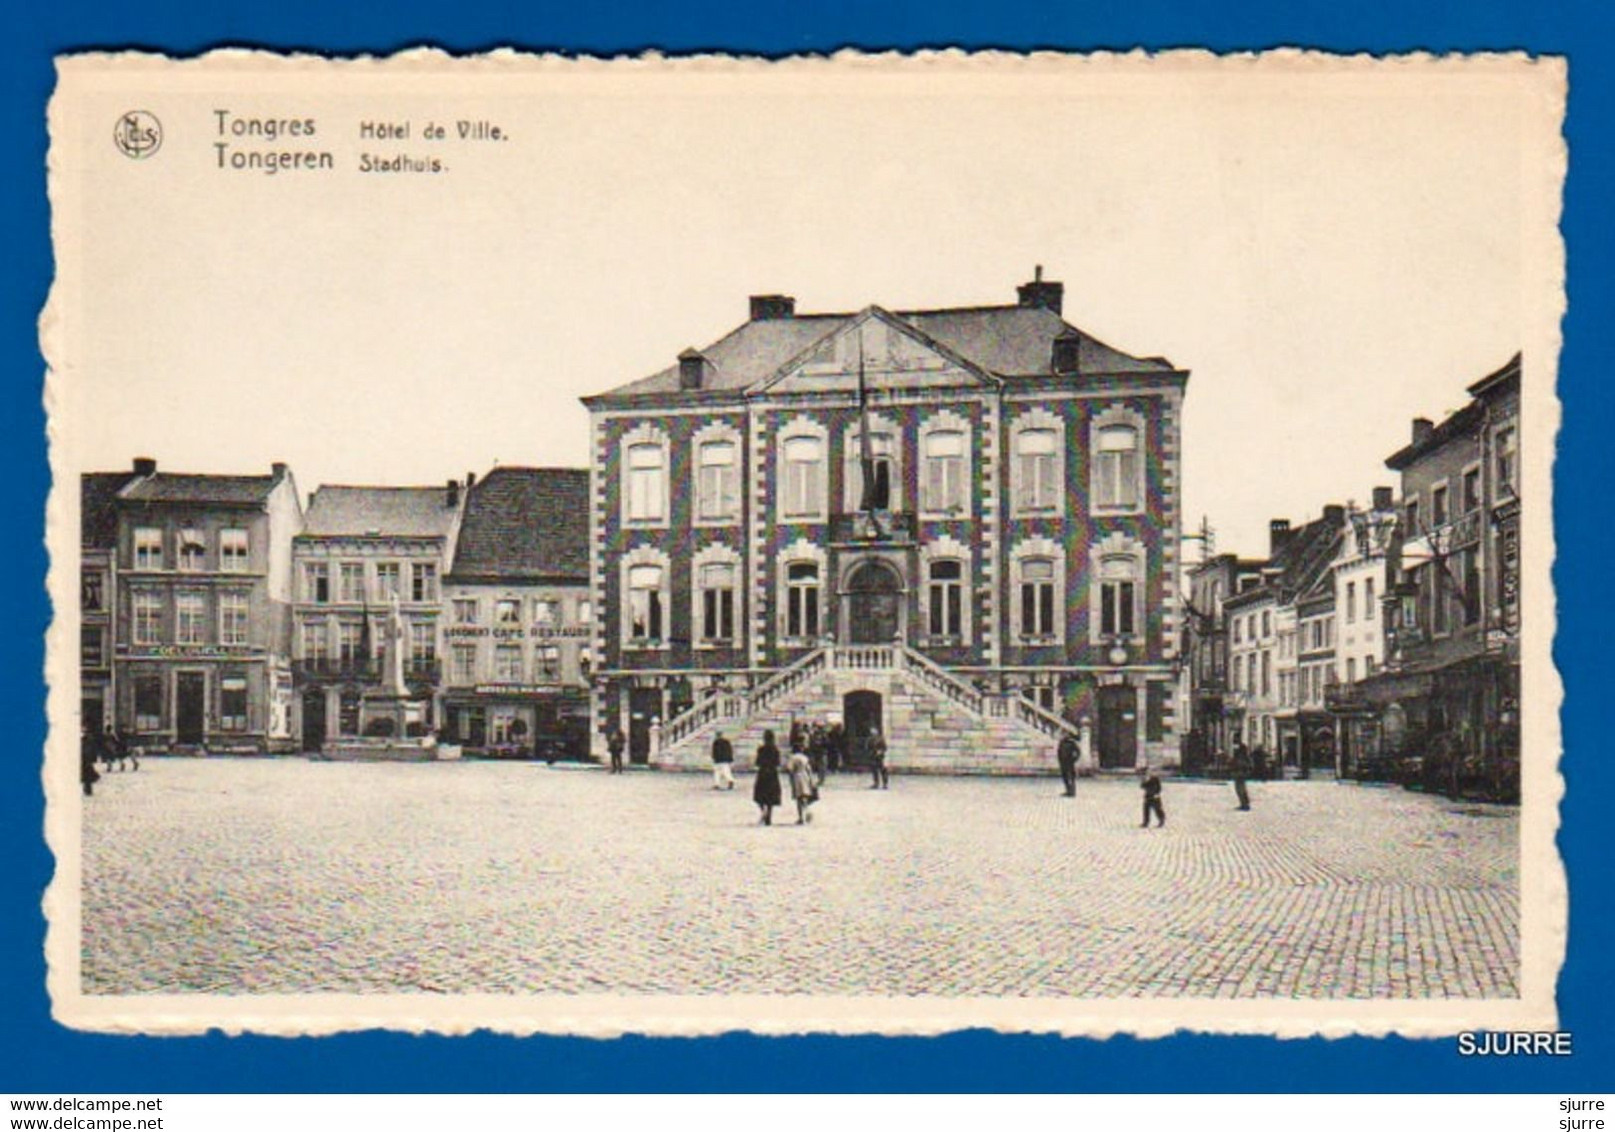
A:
[392,654]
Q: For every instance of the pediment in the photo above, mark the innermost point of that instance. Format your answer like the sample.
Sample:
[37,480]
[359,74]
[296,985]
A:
[895,357]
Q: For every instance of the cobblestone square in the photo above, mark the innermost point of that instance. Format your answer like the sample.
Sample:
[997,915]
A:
[286,876]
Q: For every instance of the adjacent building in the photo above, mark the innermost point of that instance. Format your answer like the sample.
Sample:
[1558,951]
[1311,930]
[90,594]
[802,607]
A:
[1214,698]
[520,616]
[1362,583]
[201,616]
[98,544]
[958,526]
[360,550]
[1451,688]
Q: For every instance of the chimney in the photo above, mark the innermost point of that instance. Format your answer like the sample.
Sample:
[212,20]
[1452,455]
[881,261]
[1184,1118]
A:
[451,491]
[1067,351]
[278,471]
[692,369]
[470,480]
[767,307]
[145,466]
[1049,296]
[1382,499]
[1278,533]
[310,501]
[1334,514]
[1422,428]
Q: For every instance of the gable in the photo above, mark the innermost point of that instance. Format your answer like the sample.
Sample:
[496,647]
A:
[896,356]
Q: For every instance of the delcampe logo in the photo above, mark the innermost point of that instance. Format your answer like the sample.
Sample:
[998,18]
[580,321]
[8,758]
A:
[138,134]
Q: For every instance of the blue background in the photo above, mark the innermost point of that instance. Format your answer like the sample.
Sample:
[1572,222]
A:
[36,1055]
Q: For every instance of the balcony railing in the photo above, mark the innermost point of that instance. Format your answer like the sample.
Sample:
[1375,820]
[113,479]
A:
[368,671]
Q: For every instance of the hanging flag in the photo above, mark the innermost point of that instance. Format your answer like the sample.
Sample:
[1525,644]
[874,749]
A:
[877,488]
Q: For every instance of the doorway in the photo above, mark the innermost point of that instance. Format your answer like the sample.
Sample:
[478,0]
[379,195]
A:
[314,719]
[1118,726]
[190,707]
[874,604]
[861,717]
[644,705]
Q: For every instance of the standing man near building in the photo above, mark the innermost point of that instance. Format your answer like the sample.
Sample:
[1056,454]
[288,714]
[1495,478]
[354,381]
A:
[1152,796]
[1241,772]
[1066,752]
[723,763]
[877,761]
[614,744]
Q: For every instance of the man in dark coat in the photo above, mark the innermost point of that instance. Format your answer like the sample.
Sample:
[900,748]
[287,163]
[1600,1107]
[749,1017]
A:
[89,755]
[1066,752]
[1241,771]
[1152,795]
[877,761]
[723,763]
[614,744]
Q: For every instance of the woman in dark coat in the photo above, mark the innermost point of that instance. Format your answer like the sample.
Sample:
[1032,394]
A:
[766,792]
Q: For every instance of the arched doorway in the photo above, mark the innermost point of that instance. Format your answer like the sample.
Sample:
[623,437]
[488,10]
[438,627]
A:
[861,716]
[874,604]
[314,719]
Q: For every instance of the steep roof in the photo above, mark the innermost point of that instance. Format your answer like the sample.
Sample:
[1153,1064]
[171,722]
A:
[1006,341]
[1303,558]
[412,512]
[525,523]
[186,487]
[98,512]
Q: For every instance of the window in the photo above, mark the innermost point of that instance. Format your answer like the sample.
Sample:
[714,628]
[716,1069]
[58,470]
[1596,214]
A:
[647,483]
[232,618]
[1368,599]
[507,611]
[1504,461]
[1267,673]
[802,600]
[464,659]
[883,464]
[1037,597]
[507,664]
[944,472]
[718,602]
[148,548]
[348,637]
[544,611]
[148,617]
[190,618]
[1368,666]
[1469,574]
[645,603]
[1037,470]
[1440,598]
[316,582]
[1238,621]
[192,553]
[547,662]
[148,703]
[947,598]
[316,641]
[717,486]
[233,557]
[1117,597]
[1239,673]
[804,476]
[1351,670]
[1414,529]
[1471,490]
[1438,506]
[422,643]
[422,581]
[1267,623]
[92,647]
[92,591]
[1351,602]
[387,575]
[233,703]
[350,581]
[585,612]
[1116,468]
[465,611]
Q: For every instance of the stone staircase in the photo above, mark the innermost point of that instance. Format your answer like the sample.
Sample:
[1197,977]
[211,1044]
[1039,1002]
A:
[933,720]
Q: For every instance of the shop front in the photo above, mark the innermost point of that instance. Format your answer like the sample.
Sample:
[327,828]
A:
[518,721]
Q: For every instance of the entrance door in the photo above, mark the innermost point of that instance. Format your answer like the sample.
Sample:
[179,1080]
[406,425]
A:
[1118,726]
[190,704]
[644,705]
[861,717]
[314,719]
[875,592]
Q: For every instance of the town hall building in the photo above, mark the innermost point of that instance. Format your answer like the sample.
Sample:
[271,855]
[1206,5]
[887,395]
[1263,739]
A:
[959,527]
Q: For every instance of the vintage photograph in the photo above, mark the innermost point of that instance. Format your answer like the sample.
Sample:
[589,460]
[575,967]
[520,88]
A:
[869,544]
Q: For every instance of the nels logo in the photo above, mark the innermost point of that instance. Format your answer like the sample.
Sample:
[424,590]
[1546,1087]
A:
[138,134]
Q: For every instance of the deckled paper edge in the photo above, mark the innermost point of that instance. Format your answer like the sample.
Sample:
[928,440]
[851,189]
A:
[1544,896]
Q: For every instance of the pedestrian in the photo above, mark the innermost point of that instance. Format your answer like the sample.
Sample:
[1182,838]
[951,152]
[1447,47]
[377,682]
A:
[116,752]
[1066,752]
[836,741]
[615,743]
[818,744]
[723,763]
[1241,771]
[804,785]
[1152,795]
[765,792]
[877,761]
[89,754]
